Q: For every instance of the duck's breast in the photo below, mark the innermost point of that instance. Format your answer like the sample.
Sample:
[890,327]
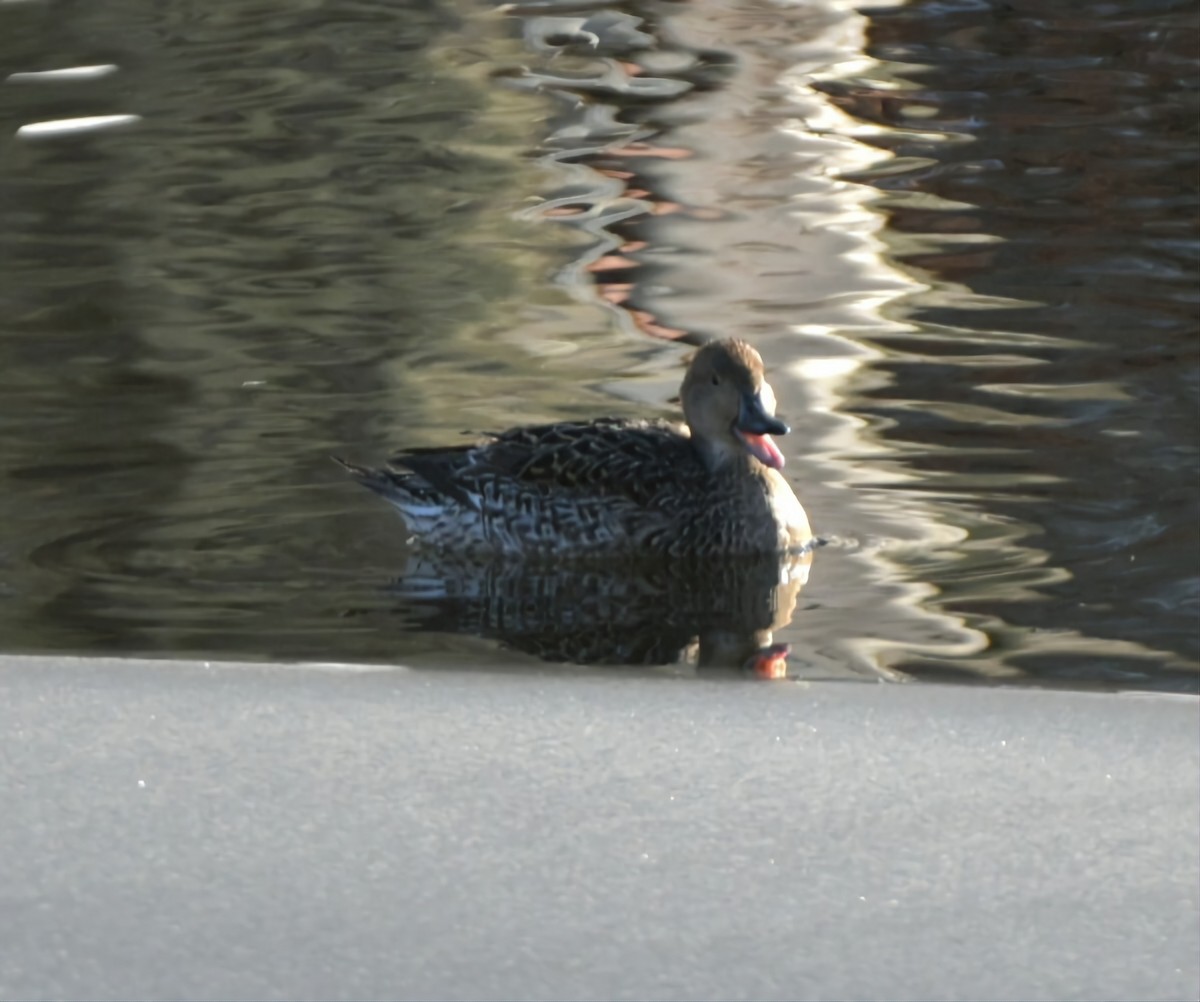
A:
[786,511]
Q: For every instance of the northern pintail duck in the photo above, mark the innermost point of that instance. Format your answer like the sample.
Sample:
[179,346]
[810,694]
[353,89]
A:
[615,486]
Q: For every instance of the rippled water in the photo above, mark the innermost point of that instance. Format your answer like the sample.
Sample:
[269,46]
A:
[964,237]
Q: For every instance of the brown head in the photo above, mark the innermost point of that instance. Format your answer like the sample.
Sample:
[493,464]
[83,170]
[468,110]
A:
[730,407]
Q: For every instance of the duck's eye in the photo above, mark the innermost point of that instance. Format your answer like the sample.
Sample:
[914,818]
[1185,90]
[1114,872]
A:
[716,381]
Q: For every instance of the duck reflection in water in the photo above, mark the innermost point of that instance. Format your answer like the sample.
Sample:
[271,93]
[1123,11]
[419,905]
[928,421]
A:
[702,510]
[714,614]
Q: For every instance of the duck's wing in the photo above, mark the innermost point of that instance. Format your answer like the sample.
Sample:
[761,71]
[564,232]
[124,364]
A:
[611,457]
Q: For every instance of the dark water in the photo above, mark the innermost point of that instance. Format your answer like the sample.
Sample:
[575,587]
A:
[964,237]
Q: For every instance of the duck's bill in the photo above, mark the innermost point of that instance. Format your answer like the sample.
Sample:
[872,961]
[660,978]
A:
[762,448]
[755,427]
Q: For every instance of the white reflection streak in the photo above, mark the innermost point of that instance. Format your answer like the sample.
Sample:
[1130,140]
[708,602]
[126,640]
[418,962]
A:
[74,126]
[68,126]
[823,127]
[70,74]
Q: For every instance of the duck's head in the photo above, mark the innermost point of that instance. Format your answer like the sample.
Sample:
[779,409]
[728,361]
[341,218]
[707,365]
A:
[730,407]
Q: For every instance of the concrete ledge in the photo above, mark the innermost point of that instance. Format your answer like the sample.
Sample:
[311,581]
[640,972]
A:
[172,830]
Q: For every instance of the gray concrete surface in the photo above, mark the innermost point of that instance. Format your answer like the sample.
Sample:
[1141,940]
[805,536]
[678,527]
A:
[175,831]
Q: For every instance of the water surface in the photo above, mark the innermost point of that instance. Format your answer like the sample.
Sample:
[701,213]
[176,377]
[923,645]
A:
[963,237]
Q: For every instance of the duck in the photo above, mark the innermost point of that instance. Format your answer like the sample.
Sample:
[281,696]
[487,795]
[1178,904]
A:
[611,486]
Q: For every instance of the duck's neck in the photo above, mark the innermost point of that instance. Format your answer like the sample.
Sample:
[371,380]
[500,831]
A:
[723,458]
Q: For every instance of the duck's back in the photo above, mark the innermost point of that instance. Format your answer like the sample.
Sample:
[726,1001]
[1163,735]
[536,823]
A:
[611,457]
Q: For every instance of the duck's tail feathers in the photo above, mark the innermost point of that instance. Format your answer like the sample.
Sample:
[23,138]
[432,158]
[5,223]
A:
[380,481]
